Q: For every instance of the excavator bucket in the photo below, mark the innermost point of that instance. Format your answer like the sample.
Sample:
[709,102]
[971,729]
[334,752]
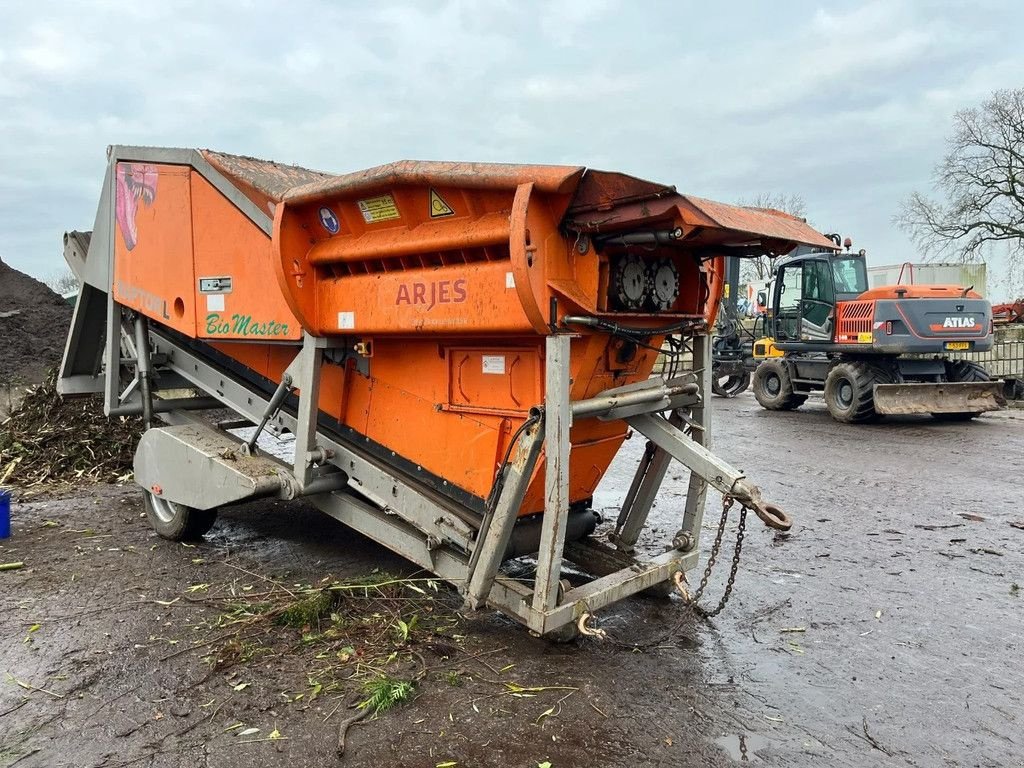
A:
[946,397]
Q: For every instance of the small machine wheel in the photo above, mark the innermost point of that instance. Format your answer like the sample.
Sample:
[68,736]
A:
[962,370]
[850,392]
[730,386]
[773,387]
[177,522]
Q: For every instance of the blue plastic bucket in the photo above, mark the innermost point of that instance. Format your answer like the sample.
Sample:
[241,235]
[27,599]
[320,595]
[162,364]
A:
[5,513]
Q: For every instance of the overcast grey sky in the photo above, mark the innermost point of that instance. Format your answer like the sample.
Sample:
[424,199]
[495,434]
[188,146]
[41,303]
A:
[844,103]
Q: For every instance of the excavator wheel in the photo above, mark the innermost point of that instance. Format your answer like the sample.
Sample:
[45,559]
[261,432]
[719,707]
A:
[773,387]
[730,386]
[850,392]
[178,522]
[962,370]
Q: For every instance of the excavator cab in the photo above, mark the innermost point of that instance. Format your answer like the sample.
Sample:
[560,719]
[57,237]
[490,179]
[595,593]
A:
[807,288]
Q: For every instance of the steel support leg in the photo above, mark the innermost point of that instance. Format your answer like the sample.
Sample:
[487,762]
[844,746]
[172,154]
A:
[112,356]
[557,421]
[308,382]
[142,369]
[647,482]
[696,492]
[492,542]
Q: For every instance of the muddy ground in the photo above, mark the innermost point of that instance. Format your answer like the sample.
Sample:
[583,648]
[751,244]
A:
[885,630]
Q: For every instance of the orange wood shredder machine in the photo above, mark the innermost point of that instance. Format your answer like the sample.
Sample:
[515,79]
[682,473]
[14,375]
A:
[459,350]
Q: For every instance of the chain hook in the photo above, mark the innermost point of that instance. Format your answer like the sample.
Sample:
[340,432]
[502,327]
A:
[588,631]
[772,516]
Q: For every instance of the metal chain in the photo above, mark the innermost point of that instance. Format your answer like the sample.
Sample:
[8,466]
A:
[691,599]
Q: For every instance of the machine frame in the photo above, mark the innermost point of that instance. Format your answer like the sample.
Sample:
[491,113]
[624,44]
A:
[347,482]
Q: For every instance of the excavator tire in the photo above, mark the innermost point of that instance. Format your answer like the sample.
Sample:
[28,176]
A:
[850,391]
[773,387]
[962,370]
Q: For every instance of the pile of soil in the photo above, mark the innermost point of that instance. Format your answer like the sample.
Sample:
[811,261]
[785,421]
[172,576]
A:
[50,440]
[33,326]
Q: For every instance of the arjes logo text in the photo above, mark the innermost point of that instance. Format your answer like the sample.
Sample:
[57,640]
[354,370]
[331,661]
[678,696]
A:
[435,292]
[957,324]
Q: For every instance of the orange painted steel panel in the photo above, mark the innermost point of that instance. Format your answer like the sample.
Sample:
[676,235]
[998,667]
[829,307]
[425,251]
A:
[474,299]
[249,310]
[494,380]
[919,292]
[427,237]
[852,319]
[153,268]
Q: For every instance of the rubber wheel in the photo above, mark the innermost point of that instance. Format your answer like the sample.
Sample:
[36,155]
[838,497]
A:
[730,386]
[773,387]
[850,392]
[178,522]
[962,370]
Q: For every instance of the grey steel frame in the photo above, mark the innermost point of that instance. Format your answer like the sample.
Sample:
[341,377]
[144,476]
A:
[430,530]
[400,513]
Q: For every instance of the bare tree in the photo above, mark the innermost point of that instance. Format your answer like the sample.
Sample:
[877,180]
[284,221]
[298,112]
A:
[63,281]
[980,183]
[760,268]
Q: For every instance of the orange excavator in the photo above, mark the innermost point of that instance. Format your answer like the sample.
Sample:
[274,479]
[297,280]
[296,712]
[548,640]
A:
[872,352]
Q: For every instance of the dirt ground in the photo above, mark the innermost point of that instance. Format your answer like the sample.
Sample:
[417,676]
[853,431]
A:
[884,630]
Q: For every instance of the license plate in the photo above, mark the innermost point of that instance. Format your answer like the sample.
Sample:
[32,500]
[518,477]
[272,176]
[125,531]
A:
[958,345]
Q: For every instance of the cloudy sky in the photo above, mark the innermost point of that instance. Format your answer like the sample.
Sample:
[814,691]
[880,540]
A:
[843,103]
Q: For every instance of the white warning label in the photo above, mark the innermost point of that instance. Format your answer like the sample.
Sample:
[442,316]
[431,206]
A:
[494,364]
[346,320]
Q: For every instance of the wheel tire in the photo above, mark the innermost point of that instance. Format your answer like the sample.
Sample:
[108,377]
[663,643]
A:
[850,392]
[773,387]
[962,370]
[730,386]
[965,370]
[178,522]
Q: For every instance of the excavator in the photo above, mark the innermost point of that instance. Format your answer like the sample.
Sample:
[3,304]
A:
[872,352]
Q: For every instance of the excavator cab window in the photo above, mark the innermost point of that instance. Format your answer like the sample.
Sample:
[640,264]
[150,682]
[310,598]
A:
[806,301]
[850,275]
[819,301]
[789,287]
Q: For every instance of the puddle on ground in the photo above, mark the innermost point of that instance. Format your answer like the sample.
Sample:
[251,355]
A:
[742,747]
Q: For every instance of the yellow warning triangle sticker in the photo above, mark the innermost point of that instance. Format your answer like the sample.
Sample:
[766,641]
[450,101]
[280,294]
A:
[438,207]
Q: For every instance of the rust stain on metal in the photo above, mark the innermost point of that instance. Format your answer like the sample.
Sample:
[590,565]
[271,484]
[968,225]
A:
[602,190]
[763,222]
[557,179]
[273,180]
